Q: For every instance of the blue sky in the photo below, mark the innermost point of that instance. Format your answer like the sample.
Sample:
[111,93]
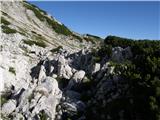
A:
[137,20]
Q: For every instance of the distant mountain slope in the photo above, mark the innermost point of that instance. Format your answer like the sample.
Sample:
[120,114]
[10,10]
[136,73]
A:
[32,22]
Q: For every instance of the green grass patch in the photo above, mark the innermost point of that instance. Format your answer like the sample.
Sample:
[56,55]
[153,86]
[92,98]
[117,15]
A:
[8,30]
[37,40]
[12,70]
[38,43]
[61,29]
[4,21]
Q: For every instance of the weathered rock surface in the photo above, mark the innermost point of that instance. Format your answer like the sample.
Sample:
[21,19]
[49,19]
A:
[33,74]
[9,107]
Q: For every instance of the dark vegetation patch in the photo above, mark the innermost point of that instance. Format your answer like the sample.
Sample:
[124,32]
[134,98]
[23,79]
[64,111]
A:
[39,43]
[12,70]
[55,50]
[141,74]
[4,21]
[8,30]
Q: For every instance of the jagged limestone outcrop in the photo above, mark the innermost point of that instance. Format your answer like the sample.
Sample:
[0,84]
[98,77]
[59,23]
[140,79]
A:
[49,74]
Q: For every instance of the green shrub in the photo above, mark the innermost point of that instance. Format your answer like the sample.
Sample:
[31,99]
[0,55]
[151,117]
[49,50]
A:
[12,70]
[4,21]
[8,30]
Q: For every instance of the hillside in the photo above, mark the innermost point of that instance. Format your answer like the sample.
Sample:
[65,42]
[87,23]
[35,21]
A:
[50,72]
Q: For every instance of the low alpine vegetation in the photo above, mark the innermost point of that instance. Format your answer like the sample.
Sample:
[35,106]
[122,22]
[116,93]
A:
[4,21]
[12,70]
[34,42]
[8,30]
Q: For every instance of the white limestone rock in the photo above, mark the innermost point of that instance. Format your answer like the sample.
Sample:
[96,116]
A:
[9,107]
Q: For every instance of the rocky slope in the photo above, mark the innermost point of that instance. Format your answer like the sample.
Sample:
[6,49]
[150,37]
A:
[33,51]
[52,73]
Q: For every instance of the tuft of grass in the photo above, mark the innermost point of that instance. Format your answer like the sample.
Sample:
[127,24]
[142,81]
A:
[54,50]
[3,13]
[4,21]
[12,70]
[39,43]
[8,30]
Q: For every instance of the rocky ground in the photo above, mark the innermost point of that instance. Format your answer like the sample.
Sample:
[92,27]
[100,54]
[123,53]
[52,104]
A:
[58,79]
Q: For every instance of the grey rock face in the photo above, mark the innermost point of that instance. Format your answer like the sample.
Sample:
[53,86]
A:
[63,68]
[119,54]
[42,73]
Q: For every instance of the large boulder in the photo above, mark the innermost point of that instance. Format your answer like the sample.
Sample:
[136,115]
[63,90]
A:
[77,78]
[49,86]
[42,73]
[47,104]
[64,70]
[49,98]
